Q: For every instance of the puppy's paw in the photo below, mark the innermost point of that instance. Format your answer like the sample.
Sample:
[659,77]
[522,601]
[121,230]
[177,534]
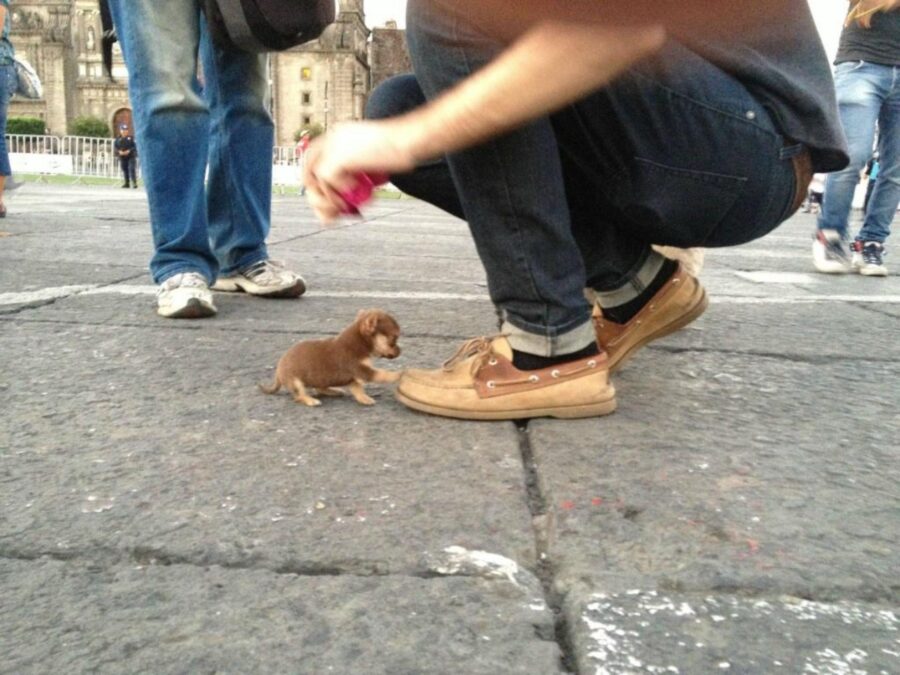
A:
[365,400]
[309,401]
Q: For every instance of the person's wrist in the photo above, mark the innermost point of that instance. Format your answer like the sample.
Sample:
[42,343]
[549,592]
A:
[410,135]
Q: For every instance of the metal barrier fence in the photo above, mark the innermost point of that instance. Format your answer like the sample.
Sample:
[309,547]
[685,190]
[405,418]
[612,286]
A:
[81,157]
[92,156]
[77,156]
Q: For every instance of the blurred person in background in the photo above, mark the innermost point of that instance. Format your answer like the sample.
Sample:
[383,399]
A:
[867,82]
[126,150]
[7,87]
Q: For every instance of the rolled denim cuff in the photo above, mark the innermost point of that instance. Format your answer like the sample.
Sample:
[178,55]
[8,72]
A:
[544,345]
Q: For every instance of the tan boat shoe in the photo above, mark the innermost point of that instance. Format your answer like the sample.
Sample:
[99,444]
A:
[480,382]
[680,301]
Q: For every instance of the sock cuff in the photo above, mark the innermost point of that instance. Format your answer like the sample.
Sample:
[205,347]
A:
[636,285]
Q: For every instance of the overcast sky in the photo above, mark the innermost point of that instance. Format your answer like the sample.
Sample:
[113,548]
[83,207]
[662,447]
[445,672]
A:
[828,13]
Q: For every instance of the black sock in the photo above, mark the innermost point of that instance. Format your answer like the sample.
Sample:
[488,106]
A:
[525,361]
[624,313]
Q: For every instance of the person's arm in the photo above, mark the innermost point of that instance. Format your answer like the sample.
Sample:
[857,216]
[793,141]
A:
[560,51]
[549,67]
[862,11]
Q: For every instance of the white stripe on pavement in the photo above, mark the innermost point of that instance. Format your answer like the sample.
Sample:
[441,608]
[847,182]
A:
[123,289]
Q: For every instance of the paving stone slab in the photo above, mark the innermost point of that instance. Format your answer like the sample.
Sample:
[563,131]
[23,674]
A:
[76,618]
[796,331]
[652,632]
[155,443]
[725,473]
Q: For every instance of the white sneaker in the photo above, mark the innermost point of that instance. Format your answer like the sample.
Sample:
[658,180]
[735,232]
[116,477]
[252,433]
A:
[267,278]
[185,296]
[829,254]
[871,258]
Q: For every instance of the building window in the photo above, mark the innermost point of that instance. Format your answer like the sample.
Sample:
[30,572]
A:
[306,73]
[307,98]
[307,120]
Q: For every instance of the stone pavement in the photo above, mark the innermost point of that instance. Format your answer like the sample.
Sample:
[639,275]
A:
[739,513]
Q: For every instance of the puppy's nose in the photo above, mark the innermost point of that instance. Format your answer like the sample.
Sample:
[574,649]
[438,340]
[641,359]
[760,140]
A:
[395,353]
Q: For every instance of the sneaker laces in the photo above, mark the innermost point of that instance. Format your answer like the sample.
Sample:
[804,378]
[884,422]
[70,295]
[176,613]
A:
[182,280]
[872,252]
[834,244]
[266,271]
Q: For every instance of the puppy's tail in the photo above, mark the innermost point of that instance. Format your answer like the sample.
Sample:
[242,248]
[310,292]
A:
[270,389]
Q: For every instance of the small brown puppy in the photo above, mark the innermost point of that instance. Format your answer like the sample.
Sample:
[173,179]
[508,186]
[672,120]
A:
[345,360]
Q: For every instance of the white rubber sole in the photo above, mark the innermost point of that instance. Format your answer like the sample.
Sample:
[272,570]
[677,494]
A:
[194,308]
[244,285]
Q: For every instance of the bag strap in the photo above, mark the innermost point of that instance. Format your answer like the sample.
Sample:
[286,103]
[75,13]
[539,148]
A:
[109,37]
[235,21]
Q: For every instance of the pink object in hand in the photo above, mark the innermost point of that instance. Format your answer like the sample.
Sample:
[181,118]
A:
[360,193]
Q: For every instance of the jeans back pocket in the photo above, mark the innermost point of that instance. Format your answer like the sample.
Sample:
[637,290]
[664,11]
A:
[674,206]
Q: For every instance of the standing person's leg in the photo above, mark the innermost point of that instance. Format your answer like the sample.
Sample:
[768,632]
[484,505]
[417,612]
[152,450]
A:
[239,199]
[870,187]
[860,88]
[123,163]
[885,196]
[7,73]
[159,42]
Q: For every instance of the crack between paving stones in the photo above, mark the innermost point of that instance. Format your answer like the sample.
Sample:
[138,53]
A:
[539,505]
[206,325]
[149,557]
[50,301]
[795,358]
[869,307]
[332,228]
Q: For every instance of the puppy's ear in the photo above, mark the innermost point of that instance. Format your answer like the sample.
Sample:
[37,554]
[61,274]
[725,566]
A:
[368,322]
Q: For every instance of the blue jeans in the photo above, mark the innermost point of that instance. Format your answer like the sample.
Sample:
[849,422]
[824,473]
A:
[868,94]
[7,86]
[675,152]
[182,127]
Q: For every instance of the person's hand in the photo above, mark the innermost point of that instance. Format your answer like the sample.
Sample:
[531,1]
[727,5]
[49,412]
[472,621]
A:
[863,11]
[334,160]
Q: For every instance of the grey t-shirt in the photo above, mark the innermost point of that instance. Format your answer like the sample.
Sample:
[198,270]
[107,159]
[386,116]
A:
[878,44]
[784,66]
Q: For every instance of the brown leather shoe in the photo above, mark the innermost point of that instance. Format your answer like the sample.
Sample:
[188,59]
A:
[679,302]
[480,383]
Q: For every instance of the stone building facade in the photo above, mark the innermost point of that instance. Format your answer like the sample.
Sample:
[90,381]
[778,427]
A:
[320,83]
[388,53]
[324,81]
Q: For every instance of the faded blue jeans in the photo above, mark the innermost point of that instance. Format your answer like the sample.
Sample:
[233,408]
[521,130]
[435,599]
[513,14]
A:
[181,126]
[868,94]
[7,86]
[675,152]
